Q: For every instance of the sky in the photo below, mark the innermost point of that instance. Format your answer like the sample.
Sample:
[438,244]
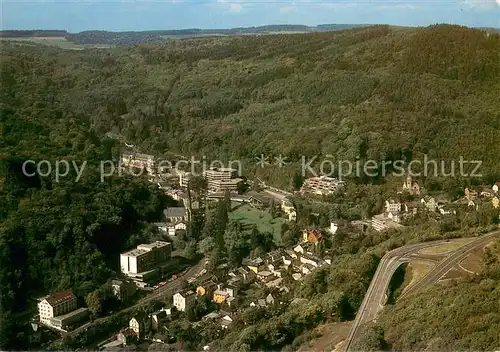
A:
[136,15]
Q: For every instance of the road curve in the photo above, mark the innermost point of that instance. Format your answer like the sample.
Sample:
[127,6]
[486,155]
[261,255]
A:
[374,299]
[449,262]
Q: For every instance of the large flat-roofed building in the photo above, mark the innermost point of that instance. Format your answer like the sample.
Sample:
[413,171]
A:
[222,179]
[64,321]
[139,161]
[322,185]
[145,259]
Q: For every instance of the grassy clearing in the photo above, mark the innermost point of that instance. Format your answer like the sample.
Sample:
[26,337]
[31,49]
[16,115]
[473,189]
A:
[415,271]
[249,216]
[447,247]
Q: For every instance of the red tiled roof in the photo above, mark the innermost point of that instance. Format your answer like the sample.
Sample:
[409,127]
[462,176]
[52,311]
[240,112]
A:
[59,297]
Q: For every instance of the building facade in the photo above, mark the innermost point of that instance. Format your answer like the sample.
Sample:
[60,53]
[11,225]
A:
[222,179]
[55,305]
[183,301]
[145,257]
[322,185]
[139,161]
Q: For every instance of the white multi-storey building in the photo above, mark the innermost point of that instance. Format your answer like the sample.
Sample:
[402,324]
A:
[55,305]
[222,179]
[322,185]
[145,257]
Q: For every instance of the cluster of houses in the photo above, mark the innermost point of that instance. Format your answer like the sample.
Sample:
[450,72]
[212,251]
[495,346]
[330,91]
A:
[395,212]
[143,326]
[267,271]
[474,197]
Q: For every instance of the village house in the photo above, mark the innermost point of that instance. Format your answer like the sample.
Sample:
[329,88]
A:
[174,228]
[176,194]
[470,194]
[473,204]
[183,301]
[220,296]
[429,202]
[265,276]
[226,321]
[206,288]
[246,275]
[496,187]
[337,226]
[141,325]
[495,201]
[127,336]
[159,318]
[256,265]
[311,236]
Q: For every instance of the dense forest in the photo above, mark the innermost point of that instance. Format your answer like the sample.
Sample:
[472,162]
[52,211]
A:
[378,92]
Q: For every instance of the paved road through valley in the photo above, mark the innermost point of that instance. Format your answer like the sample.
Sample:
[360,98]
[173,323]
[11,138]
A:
[374,299]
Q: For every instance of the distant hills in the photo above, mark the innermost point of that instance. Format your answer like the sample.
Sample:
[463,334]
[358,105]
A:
[158,36]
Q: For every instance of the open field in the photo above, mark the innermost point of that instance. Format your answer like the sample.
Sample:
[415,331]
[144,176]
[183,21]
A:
[474,262]
[447,247]
[59,42]
[265,223]
[416,270]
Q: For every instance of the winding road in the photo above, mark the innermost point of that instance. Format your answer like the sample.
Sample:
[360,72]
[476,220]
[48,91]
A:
[375,297]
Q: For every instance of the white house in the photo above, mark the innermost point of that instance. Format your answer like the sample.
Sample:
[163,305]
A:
[183,301]
[174,227]
[496,187]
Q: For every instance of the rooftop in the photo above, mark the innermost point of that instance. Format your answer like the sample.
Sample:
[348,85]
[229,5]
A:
[150,246]
[60,297]
[175,212]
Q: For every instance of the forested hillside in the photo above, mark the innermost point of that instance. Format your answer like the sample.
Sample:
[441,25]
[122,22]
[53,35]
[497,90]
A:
[375,93]
[379,93]
[457,316]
